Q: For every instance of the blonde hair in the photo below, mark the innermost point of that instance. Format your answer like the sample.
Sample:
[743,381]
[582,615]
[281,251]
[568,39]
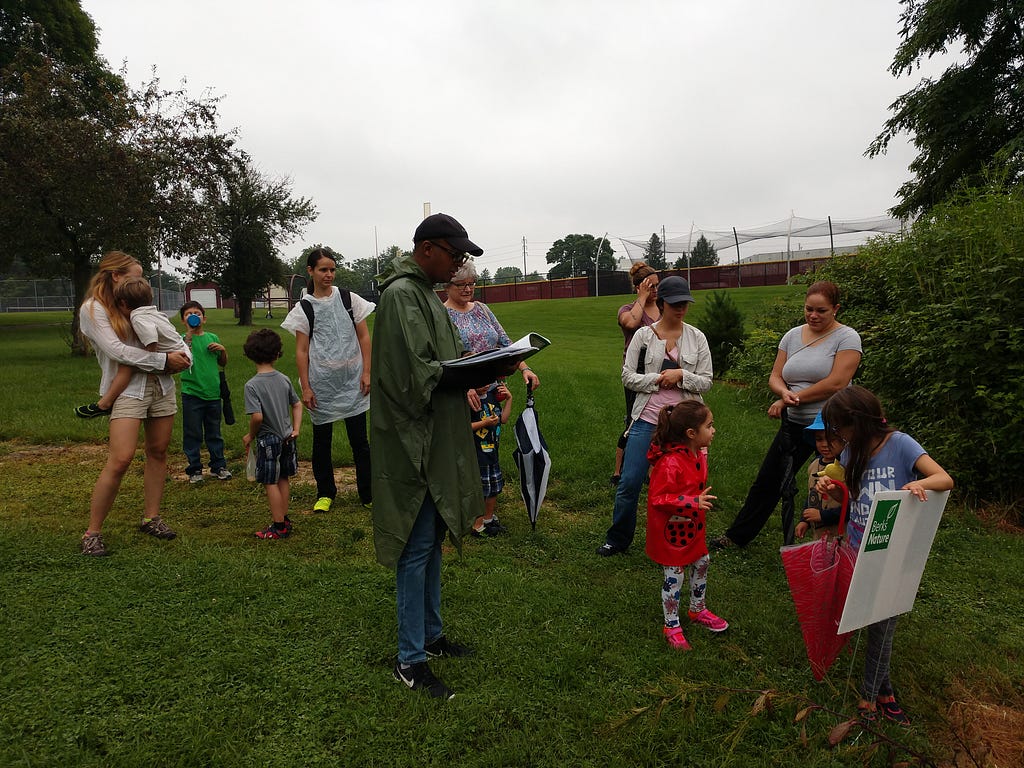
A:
[101,289]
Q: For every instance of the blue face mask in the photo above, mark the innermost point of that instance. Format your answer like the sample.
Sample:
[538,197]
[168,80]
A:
[194,321]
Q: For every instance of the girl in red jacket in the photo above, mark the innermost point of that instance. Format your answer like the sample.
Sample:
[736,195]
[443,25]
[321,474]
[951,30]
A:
[677,502]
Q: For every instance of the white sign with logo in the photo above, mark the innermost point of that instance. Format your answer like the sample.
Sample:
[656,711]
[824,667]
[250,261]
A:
[893,552]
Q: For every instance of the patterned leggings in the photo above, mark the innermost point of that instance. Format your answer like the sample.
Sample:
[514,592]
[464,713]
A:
[670,588]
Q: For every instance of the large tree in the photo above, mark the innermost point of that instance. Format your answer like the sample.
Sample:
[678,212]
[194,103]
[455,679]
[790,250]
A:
[88,165]
[254,215]
[973,115]
[573,256]
[654,252]
[58,28]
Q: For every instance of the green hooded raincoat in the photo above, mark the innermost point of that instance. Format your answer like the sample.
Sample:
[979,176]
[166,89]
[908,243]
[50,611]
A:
[420,439]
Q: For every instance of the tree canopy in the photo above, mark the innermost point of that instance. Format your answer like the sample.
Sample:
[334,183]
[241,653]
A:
[58,28]
[507,275]
[971,117]
[88,165]
[573,256]
[253,215]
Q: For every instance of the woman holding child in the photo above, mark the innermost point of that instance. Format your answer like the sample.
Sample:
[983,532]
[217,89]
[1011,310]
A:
[666,363]
[815,360]
[148,401]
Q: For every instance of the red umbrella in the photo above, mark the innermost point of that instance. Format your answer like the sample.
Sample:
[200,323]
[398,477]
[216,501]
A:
[819,574]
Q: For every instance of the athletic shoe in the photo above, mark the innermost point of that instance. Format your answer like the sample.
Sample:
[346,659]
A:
[607,550]
[419,677]
[157,527]
[494,528]
[271,532]
[709,620]
[91,411]
[195,477]
[887,706]
[93,546]
[323,504]
[222,474]
[445,647]
[720,542]
[674,638]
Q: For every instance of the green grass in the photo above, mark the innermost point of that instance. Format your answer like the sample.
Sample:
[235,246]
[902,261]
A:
[218,649]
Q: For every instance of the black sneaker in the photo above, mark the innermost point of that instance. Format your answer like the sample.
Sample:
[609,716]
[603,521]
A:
[418,676]
[607,550]
[445,647]
[494,528]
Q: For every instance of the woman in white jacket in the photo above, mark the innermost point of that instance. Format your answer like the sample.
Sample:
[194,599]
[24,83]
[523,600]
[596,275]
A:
[148,401]
[666,363]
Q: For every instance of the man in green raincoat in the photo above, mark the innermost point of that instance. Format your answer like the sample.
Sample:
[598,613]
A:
[424,468]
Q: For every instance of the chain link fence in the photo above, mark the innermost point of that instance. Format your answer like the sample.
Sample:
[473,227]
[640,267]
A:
[57,295]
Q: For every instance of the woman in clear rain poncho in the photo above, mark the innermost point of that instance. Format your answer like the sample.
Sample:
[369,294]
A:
[333,360]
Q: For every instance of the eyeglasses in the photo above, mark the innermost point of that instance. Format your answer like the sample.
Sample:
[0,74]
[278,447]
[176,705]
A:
[458,257]
[463,286]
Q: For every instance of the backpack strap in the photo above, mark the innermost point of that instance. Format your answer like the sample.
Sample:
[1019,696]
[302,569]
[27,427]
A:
[307,307]
[346,300]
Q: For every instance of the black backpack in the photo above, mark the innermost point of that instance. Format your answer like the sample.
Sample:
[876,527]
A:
[346,299]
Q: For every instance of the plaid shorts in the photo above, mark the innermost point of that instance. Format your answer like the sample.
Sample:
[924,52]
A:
[492,479]
[275,459]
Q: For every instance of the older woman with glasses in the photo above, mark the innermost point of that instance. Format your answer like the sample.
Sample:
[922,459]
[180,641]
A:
[478,327]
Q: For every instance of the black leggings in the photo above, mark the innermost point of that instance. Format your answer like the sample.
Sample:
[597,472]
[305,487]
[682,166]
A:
[776,479]
[323,464]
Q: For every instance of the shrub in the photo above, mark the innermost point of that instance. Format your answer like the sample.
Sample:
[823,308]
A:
[941,316]
[723,326]
[752,363]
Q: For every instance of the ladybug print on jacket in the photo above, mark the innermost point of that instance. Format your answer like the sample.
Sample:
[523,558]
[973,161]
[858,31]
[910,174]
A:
[675,522]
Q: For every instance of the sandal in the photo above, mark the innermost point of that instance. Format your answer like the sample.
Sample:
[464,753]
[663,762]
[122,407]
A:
[892,710]
[91,411]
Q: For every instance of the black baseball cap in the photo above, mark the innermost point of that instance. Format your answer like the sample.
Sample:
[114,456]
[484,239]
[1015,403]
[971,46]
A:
[441,226]
[674,290]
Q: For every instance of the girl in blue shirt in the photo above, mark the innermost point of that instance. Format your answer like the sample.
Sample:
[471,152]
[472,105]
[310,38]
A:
[877,458]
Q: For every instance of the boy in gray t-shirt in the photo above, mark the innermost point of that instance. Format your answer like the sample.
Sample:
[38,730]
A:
[275,418]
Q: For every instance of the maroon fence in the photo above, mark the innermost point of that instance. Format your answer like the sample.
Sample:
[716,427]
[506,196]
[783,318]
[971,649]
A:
[747,275]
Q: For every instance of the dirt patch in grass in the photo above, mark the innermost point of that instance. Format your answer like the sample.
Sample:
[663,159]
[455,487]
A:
[96,454]
[984,732]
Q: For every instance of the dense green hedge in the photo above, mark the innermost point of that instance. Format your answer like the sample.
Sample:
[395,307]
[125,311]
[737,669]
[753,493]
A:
[941,315]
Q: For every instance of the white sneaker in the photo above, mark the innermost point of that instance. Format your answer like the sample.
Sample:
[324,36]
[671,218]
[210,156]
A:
[222,474]
[195,477]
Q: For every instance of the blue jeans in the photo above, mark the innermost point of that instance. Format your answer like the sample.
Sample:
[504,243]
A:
[627,494]
[418,585]
[200,419]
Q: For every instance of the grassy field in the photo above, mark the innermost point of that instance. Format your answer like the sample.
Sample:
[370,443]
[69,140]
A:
[217,649]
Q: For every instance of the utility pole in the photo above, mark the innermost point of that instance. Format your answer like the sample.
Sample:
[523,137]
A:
[524,257]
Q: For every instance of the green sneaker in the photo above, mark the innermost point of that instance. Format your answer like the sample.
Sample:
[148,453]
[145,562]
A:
[323,504]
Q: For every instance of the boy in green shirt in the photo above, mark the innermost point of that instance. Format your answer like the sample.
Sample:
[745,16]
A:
[200,396]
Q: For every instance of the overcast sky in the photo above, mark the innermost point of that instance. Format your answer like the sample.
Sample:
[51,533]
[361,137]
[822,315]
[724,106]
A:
[540,118]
